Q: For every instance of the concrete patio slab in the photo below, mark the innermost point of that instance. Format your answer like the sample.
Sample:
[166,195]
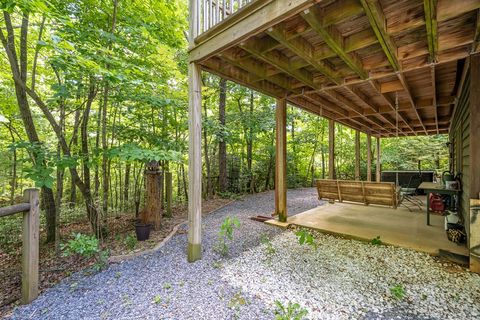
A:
[398,227]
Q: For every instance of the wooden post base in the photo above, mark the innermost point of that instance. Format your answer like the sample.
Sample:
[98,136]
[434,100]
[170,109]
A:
[194,252]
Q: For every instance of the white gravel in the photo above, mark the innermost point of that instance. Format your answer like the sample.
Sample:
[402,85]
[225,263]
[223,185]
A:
[341,279]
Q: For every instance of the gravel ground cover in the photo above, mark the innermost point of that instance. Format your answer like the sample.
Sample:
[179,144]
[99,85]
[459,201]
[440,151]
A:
[340,279]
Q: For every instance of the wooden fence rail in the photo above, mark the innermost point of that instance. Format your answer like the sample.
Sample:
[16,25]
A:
[30,237]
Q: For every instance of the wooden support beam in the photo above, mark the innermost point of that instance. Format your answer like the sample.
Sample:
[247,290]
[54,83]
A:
[30,246]
[333,38]
[258,69]
[373,110]
[304,50]
[281,160]
[392,105]
[476,38]
[279,61]
[474,126]
[377,21]
[369,157]
[434,96]
[194,163]
[474,160]
[430,9]
[344,102]
[331,150]
[254,19]
[391,86]
[377,167]
[406,87]
[357,155]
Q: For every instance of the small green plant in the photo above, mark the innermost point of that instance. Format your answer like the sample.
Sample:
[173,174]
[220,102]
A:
[131,241]
[157,299]
[167,286]
[398,292]
[226,234]
[270,249]
[101,260]
[87,247]
[235,303]
[292,311]
[376,241]
[82,244]
[305,237]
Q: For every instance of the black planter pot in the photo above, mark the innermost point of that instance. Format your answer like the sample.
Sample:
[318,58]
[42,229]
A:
[142,231]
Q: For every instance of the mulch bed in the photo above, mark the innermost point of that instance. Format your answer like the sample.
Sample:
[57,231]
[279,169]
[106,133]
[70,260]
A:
[54,268]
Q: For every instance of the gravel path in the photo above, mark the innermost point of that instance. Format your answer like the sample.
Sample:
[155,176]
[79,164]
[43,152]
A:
[341,279]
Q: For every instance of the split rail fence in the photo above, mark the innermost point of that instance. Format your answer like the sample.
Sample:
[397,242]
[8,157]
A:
[30,241]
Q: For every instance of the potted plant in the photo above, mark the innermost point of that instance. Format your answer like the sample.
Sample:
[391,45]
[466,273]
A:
[142,230]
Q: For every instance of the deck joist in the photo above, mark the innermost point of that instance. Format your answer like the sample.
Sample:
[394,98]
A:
[387,68]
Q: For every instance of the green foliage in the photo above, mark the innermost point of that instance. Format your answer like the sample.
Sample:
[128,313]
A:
[87,247]
[226,234]
[83,245]
[131,241]
[376,241]
[293,311]
[269,248]
[305,237]
[398,292]
[157,299]
[133,152]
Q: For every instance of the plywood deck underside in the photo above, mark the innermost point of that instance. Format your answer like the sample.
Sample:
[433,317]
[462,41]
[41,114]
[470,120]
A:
[352,60]
[397,227]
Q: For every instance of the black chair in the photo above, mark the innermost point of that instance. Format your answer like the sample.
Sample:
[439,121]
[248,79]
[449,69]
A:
[408,194]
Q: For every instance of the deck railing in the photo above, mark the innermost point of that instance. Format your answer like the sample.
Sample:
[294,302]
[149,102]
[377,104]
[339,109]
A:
[212,12]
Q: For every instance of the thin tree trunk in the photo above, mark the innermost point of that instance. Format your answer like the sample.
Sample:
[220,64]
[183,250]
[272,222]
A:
[250,146]
[13,181]
[126,185]
[207,158]
[19,72]
[222,145]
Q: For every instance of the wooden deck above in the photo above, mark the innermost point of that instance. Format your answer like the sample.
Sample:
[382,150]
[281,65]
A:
[372,65]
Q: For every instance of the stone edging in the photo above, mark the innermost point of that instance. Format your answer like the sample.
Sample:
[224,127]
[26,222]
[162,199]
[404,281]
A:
[123,257]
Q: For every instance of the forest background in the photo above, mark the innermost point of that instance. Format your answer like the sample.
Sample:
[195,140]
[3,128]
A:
[93,90]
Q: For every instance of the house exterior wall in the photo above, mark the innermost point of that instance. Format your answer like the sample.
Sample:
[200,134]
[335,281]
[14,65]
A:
[460,144]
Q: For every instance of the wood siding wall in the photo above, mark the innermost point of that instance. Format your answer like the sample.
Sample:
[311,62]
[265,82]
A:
[460,138]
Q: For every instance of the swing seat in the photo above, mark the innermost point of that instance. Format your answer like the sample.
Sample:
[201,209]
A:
[379,193]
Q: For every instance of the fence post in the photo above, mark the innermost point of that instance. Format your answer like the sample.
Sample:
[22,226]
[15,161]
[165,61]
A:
[30,247]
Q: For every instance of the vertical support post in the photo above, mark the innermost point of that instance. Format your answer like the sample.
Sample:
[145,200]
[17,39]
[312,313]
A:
[194,163]
[281,161]
[369,157]
[377,171]
[168,194]
[194,249]
[31,225]
[473,230]
[331,149]
[357,155]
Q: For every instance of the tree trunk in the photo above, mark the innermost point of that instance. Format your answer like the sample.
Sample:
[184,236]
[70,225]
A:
[19,72]
[250,146]
[13,181]
[222,145]
[207,158]
[126,184]
[91,208]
